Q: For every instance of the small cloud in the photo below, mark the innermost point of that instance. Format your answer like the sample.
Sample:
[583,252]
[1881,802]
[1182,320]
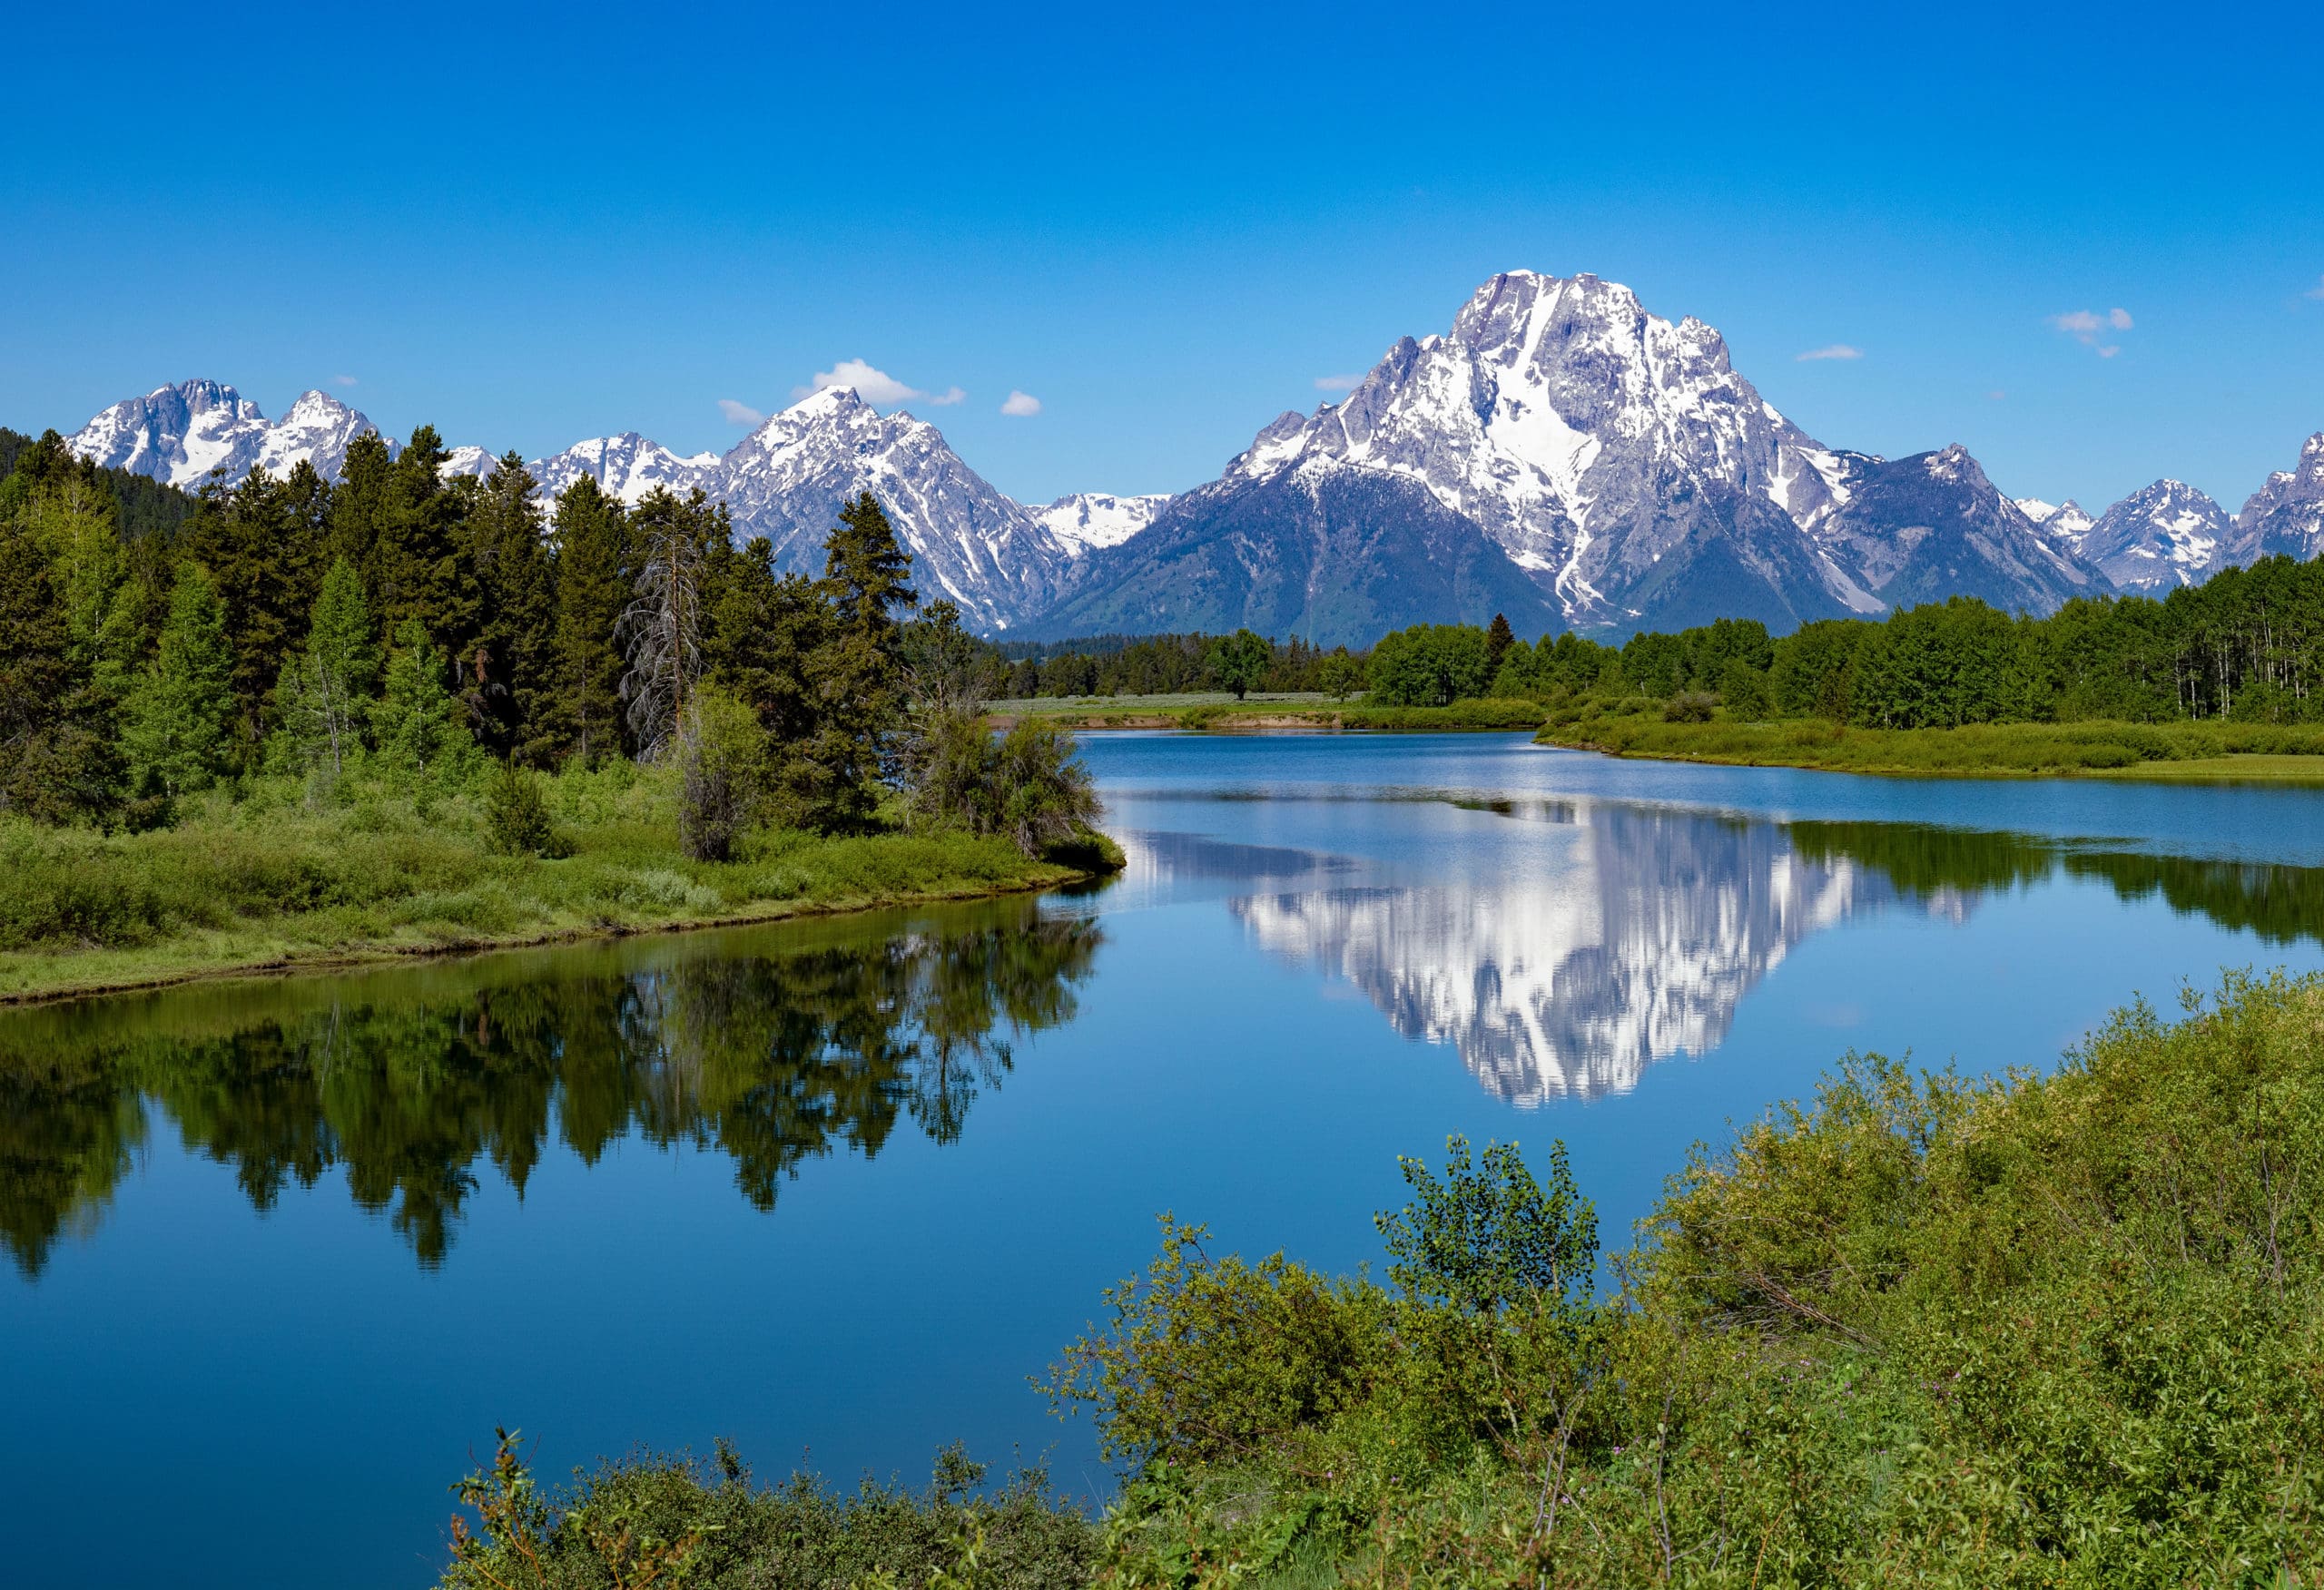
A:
[350,380]
[873,385]
[1838,350]
[1337,383]
[739,413]
[2317,291]
[947,397]
[2087,326]
[1023,405]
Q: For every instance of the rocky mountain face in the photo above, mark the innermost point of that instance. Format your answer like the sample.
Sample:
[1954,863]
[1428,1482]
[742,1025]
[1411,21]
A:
[2064,523]
[2158,538]
[1923,529]
[2287,513]
[180,434]
[1085,521]
[1618,461]
[627,467]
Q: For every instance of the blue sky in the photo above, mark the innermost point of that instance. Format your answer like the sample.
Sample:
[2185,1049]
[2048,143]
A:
[1167,225]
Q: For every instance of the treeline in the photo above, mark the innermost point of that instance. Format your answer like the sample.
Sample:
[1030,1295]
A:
[1107,665]
[402,627]
[2247,646]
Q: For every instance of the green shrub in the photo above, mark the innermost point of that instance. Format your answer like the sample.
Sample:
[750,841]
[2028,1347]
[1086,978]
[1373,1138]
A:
[515,816]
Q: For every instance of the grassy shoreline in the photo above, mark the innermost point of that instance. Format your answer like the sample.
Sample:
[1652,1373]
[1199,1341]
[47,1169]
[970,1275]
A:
[2192,752]
[264,886]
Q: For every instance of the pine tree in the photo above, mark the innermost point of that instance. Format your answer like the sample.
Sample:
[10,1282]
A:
[870,571]
[419,568]
[325,694]
[1499,638]
[263,546]
[180,707]
[508,679]
[413,722]
[593,583]
[361,506]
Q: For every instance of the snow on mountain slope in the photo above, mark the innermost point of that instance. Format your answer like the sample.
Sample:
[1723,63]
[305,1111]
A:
[468,460]
[1086,520]
[2158,538]
[627,467]
[2287,513]
[788,478]
[1564,421]
[180,434]
[2065,522]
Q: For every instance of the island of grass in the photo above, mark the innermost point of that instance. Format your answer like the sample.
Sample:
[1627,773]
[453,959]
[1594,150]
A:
[1681,729]
[267,880]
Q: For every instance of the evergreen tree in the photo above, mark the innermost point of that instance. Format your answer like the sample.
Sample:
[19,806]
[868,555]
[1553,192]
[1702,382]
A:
[870,572]
[594,581]
[263,546]
[361,506]
[509,677]
[1499,638]
[414,723]
[325,694]
[419,575]
[179,708]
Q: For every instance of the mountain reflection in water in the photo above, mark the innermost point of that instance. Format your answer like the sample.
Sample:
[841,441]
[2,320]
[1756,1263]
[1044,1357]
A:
[1659,920]
[771,1048]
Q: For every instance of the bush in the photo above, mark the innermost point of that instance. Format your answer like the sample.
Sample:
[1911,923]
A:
[721,762]
[1689,706]
[1025,785]
[516,816]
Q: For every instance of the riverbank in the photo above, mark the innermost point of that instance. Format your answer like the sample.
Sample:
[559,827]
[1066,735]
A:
[2056,1330]
[265,884]
[2206,751]
[1223,714]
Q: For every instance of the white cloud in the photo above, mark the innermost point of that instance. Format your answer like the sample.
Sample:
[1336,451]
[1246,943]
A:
[1838,350]
[873,385]
[350,380]
[1337,383]
[2087,326]
[1020,404]
[739,413]
[2317,291]
[947,397]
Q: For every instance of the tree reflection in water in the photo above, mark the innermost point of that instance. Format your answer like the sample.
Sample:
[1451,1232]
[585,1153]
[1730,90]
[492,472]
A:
[771,1045]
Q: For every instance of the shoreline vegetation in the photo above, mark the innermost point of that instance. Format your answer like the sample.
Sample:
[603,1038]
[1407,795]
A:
[2036,1329]
[263,885]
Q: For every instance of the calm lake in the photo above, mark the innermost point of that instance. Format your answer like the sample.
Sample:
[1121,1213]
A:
[279,1254]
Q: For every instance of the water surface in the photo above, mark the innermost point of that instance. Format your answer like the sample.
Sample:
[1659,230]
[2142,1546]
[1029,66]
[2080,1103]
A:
[280,1253]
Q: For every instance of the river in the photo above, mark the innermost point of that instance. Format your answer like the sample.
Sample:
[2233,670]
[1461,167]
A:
[279,1253]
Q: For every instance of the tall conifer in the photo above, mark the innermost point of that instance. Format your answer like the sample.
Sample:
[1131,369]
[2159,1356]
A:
[594,578]
[180,707]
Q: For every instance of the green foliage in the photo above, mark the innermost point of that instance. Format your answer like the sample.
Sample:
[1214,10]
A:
[1488,1237]
[657,1521]
[1027,785]
[412,723]
[515,815]
[1430,666]
[593,587]
[1339,676]
[1239,660]
[721,772]
[324,697]
[178,708]
[2056,1331]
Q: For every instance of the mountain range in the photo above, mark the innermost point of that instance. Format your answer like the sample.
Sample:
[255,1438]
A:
[1559,454]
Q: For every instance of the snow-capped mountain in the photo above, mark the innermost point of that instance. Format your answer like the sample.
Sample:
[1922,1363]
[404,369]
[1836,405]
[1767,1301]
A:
[466,460]
[787,479]
[2158,538]
[1086,520]
[627,467]
[2065,522]
[180,434]
[2287,513]
[1616,459]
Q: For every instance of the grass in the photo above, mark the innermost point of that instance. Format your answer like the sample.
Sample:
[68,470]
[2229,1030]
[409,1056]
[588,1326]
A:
[268,882]
[1218,711]
[2205,752]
